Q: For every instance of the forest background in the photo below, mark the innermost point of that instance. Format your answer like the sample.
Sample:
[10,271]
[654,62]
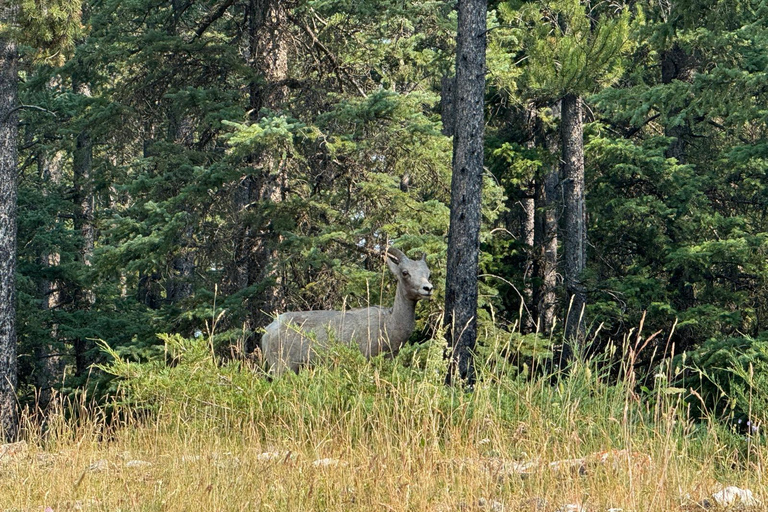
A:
[193,167]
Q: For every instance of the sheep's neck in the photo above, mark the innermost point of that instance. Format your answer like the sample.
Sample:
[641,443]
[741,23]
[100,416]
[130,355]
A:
[402,320]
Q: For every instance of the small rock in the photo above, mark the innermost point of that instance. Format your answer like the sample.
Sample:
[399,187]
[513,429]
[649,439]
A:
[734,496]
[504,468]
[99,466]
[270,456]
[537,504]
[578,466]
[572,508]
[227,461]
[326,463]
[137,464]
[13,450]
[492,505]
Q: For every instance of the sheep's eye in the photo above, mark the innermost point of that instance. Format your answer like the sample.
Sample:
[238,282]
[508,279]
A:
[406,273]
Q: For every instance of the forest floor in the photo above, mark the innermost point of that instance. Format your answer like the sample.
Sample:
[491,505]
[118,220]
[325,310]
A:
[377,436]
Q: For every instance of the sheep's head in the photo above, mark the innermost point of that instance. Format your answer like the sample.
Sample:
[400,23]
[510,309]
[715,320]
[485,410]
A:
[413,275]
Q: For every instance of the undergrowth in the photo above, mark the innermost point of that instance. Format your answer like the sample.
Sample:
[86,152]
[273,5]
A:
[190,431]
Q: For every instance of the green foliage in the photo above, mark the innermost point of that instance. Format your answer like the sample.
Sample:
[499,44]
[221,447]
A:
[729,378]
[566,49]
[50,28]
[182,166]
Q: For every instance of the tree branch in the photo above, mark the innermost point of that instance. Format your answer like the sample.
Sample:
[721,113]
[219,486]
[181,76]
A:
[217,13]
[334,62]
[28,107]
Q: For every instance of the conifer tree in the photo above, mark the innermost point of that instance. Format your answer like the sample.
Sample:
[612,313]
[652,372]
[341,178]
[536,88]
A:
[8,192]
[466,185]
[568,50]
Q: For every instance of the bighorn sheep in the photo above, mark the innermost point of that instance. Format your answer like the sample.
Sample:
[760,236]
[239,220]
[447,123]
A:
[294,339]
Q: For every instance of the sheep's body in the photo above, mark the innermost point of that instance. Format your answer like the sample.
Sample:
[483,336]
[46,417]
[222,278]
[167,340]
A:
[297,339]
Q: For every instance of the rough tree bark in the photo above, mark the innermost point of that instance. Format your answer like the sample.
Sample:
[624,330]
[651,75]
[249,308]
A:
[574,240]
[527,235]
[8,195]
[545,228]
[527,223]
[255,243]
[466,188]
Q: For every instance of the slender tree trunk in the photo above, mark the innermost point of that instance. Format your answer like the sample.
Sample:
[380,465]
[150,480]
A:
[447,99]
[545,262]
[8,195]
[545,226]
[179,285]
[82,167]
[50,361]
[466,188]
[527,235]
[574,246]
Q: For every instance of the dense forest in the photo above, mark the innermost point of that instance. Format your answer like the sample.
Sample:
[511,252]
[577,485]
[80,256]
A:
[196,166]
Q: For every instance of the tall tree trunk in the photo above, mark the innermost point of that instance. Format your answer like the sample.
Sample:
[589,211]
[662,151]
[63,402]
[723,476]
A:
[256,242]
[49,354]
[8,194]
[82,167]
[527,235]
[677,64]
[545,226]
[574,242]
[466,189]
[527,222]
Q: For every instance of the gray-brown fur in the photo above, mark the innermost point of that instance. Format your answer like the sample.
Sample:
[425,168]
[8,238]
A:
[297,339]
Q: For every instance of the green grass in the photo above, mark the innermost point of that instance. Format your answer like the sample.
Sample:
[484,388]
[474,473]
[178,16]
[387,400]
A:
[196,435]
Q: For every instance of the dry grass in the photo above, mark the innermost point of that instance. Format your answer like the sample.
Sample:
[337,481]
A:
[373,436]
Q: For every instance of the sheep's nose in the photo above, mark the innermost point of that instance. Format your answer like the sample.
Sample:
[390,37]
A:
[428,288]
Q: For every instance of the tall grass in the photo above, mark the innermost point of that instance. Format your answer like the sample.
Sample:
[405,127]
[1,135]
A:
[191,434]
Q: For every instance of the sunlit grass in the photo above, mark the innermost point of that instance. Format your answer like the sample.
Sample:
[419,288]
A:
[378,435]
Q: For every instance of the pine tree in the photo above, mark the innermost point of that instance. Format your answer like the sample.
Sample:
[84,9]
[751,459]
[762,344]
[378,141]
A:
[466,186]
[8,191]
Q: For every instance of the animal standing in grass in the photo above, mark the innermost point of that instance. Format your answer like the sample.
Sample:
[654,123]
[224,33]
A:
[296,339]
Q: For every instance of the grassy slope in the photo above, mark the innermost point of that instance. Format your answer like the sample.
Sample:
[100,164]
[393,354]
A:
[215,439]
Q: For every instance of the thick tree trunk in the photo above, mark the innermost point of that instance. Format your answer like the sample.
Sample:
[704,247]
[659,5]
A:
[574,242]
[8,194]
[256,242]
[466,188]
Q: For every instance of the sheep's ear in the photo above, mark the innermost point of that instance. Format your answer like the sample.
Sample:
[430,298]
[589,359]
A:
[395,255]
[423,256]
